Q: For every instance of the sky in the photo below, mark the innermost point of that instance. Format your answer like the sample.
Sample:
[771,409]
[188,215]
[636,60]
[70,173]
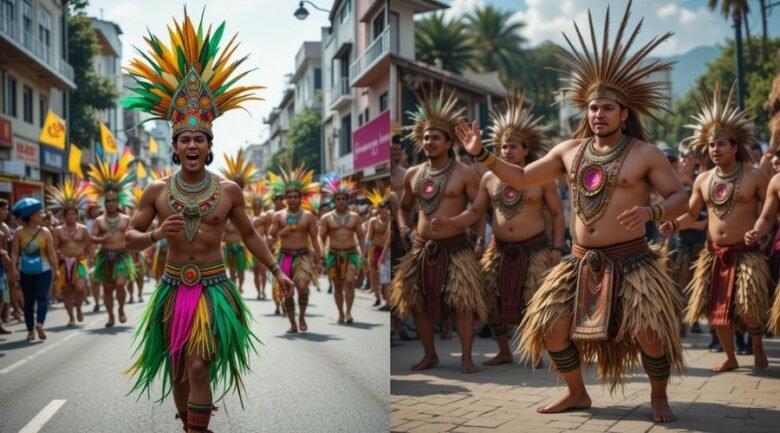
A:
[693,24]
[267,31]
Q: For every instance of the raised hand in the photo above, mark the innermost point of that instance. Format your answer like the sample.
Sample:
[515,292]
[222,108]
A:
[469,136]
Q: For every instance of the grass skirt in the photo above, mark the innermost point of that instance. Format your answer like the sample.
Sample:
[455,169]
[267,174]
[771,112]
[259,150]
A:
[109,271]
[490,264]
[237,256]
[646,299]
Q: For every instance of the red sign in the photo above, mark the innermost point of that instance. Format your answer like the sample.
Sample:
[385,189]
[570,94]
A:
[371,142]
[6,134]
[22,190]
[27,152]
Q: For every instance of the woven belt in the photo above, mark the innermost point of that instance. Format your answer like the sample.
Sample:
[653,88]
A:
[193,274]
[295,253]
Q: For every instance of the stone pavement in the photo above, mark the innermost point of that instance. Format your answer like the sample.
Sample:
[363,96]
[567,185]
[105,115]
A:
[504,398]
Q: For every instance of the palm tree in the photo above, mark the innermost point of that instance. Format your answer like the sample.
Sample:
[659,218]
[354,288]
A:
[736,9]
[441,43]
[497,41]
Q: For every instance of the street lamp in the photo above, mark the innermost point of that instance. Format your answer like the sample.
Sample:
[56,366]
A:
[301,13]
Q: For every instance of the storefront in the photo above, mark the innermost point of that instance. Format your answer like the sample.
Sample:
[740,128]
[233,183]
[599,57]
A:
[371,151]
[52,164]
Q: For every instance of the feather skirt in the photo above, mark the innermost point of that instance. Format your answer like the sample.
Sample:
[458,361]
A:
[490,264]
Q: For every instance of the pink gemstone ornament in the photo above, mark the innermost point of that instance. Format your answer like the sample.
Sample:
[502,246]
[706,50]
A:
[593,178]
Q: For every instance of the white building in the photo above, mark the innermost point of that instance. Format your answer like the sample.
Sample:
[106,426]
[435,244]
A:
[108,64]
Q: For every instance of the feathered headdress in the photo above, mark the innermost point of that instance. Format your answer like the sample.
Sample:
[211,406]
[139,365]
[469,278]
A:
[258,192]
[312,203]
[190,82]
[158,174]
[137,193]
[434,112]
[378,197]
[71,195]
[334,185]
[240,170]
[112,180]
[293,179]
[719,119]
[610,72]
[519,125]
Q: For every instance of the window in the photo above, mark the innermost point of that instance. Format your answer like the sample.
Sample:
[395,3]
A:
[383,102]
[378,25]
[345,10]
[8,15]
[317,78]
[44,32]
[365,114]
[43,109]
[9,102]
[345,135]
[27,24]
[27,103]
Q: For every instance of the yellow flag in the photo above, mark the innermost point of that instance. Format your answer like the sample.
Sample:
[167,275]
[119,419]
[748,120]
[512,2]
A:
[53,131]
[152,145]
[140,171]
[74,161]
[107,139]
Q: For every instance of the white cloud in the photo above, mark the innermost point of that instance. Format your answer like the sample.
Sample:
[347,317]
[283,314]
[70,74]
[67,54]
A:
[459,8]
[545,20]
[267,31]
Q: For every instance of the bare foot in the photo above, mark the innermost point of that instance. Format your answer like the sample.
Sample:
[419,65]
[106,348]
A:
[341,317]
[122,317]
[293,329]
[303,325]
[661,410]
[760,360]
[349,318]
[501,358]
[726,365]
[110,322]
[71,323]
[79,315]
[426,363]
[41,334]
[467,366]
[567,402]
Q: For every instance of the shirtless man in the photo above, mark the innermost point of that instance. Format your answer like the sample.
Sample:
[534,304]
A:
[613,171]
[260,222]
[74,246]
[514,263]
[276,294]
[731,281]
[93,212]
[377,234]
[340,232]
[443,259]
[235,253]
[296,229]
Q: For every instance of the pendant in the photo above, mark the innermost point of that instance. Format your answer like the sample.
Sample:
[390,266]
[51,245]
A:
[509,200]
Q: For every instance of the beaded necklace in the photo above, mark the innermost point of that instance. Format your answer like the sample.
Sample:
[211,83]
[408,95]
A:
[430,185]
[722,190]
[341,220]
[113,224]
[594,177]
[193,202]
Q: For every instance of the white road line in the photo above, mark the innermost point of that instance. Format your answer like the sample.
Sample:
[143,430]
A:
[43,416]
[27,359]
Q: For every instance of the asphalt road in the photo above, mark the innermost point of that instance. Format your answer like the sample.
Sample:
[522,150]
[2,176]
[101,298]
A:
[333,378]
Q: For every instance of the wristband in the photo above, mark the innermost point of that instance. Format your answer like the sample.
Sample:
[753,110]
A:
[273,268]
[675,225]
[657,212]
[149,238]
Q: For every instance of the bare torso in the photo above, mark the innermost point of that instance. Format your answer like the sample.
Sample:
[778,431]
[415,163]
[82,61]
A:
[731,228]
[528,222]
[116,241]
[341,229]
[379,231]
[453,201]
[296,238]
[72,241]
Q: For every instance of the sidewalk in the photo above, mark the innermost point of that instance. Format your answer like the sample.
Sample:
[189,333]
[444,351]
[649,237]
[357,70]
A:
[504,398]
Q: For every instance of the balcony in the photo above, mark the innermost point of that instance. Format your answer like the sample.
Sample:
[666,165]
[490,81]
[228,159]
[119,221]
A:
[371,64]
[22,47]
[340,94]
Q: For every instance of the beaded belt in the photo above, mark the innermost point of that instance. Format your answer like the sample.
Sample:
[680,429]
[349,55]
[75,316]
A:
[194,274]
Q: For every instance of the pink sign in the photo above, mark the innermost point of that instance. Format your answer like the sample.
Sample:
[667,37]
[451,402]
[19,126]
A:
[371,142]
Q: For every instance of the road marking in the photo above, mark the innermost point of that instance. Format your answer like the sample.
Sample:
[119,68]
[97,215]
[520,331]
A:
[27,359]
[43,416]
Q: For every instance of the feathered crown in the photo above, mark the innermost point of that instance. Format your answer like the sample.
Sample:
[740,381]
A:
[112,180]
[333,185]
[434,112]
[158,174]
[293,179]
[191,82]
[378,197]
[312,203]
[519,125]
[240,170]
[258,192]
[137,193]
[719,119]
[71,195]
[610,72]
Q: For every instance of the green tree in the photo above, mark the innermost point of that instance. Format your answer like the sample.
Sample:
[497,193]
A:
[303,140]
[541,84]
[93,92]
[496,40]
[442,44]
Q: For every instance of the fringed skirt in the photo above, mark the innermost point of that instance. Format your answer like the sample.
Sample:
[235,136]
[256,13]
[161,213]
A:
[462,283]
[535,267]
[338,262]
[111,265]
[237,257]
[750,294]
[645,300]
[195,311]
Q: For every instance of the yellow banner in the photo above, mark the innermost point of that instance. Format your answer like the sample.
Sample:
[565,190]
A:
[74,161]
[140,171]
[53,131]
[152,145]
[107,139]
